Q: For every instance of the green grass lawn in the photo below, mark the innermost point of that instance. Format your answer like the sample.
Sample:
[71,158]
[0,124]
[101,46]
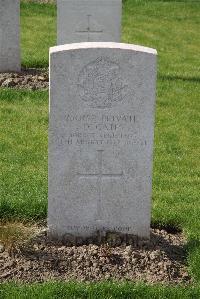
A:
[38,33]
[97,291]
[173,29]
[23,152]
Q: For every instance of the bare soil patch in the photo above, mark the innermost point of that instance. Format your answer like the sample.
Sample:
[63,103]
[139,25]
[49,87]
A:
[31,79]
[38,259]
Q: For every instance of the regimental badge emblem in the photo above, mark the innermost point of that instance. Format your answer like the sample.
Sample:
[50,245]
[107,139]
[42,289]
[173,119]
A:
[100,84]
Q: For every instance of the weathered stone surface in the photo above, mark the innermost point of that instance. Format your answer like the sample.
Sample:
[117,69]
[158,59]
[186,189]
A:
[102,98]
[88,21]
[9,35]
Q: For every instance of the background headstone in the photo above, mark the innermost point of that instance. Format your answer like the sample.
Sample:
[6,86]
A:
[102,100]
[88,21]
[10,35]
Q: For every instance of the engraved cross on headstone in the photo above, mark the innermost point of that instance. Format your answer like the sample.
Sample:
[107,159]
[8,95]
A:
[88,29]
[100,176]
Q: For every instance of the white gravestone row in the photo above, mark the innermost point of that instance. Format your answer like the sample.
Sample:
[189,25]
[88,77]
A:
[9,35]
[77,21]
[88,21]
[102,98]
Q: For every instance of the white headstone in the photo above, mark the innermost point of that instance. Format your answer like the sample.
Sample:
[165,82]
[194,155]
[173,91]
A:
[102,101]
[88,21]
[9,35]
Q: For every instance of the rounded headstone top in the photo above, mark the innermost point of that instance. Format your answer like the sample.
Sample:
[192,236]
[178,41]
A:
[101,45]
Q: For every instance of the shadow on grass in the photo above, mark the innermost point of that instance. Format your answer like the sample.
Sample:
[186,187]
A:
[175,77]
[171,227]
